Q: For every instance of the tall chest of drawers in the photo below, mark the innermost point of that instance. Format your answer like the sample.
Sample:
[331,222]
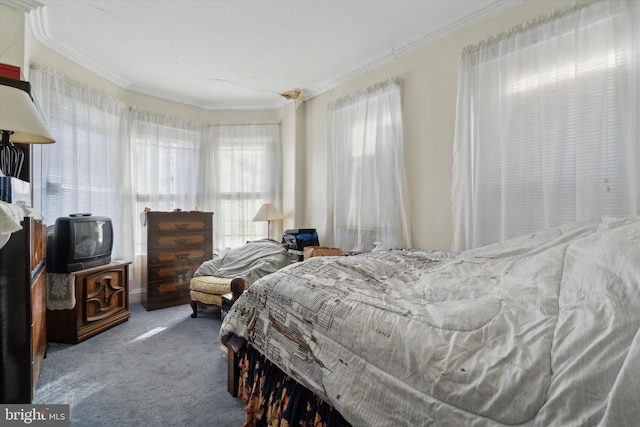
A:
[177,243]
[23,307]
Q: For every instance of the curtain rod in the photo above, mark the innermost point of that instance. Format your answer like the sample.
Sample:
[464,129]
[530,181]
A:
[76,83]
[373,87]
[529,25]
[132,108]
[243,124]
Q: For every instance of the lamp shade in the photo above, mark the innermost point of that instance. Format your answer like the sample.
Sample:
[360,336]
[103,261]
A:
[268,212]
[19,116]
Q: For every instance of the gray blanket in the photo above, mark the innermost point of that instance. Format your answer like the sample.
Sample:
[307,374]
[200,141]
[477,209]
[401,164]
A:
[252,261]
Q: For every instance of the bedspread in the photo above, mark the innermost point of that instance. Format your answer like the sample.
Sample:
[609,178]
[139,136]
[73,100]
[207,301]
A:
[538,330]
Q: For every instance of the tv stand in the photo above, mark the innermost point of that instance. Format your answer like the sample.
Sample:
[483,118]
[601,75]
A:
[102,302]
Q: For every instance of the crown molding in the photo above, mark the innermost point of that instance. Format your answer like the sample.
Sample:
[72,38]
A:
[37,15]
[22,5]
[40,28]
[210,105]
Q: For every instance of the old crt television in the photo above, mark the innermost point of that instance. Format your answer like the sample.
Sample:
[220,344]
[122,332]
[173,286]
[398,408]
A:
[79,241]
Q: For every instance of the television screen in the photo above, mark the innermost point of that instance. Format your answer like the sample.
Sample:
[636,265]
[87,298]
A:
[79,241]
[92,238]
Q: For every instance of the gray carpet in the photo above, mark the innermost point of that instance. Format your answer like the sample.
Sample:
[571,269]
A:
[175,375]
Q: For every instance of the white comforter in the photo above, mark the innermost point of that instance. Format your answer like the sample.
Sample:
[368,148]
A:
[539,330]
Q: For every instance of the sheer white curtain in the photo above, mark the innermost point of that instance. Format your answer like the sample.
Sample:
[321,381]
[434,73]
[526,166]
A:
[165,158]
[366,188]
[546,125]
[242,169]
[113,160]
[87,169]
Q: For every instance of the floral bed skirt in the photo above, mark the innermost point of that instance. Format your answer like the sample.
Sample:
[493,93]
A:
[274,399]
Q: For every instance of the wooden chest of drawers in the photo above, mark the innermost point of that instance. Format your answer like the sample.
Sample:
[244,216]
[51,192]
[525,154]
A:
[102,302]
[176,244]
[23,340]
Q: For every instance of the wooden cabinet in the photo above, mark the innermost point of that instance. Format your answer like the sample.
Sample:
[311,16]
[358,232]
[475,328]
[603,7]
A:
[22,309]
[176,244]
[102,302]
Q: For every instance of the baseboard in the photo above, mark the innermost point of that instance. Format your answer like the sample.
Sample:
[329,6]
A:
[135,296]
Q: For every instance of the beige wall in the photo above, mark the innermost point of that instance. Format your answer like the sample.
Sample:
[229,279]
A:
[429,76]
[12,37]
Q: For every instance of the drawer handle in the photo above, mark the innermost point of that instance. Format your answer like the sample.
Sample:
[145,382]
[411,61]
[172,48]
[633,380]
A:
[182,256]
[182,241]
[183,272]
[183,226]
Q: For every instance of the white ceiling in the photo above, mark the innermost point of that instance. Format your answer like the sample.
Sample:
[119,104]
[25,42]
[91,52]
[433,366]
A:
[241,54]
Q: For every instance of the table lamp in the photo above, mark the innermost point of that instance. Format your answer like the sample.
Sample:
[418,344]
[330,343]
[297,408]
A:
[20,122]
[268,212]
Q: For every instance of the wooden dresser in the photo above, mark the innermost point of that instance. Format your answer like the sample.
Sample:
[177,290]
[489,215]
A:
[102,302]
[22,308]
[177,243]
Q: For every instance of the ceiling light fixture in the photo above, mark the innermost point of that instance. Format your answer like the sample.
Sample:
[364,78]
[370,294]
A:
[292,94]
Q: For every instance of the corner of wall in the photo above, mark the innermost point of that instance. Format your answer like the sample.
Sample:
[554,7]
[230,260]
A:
[12,37]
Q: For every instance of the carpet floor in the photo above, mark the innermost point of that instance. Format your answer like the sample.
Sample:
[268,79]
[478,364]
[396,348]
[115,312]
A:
[160,368]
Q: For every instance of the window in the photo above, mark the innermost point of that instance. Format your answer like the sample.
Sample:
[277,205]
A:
[367,194]
[85,183]
[166,155]
[246,171]
[83,171]
[546,129]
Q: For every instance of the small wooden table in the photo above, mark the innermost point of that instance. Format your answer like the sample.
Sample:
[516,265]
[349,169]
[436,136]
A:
[227,302]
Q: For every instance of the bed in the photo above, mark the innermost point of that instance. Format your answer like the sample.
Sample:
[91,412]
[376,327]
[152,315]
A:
[538,330]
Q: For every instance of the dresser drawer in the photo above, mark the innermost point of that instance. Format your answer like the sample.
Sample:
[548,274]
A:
[38,323]
[178,240]
[159,288]
[162,294]
[38,243]
[190,255]
[180,224]
[178,272]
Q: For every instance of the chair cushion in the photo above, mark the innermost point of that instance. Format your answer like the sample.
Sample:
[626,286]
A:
[211,284]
